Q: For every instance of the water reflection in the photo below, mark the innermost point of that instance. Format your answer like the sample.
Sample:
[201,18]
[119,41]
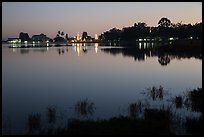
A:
[96,47]
[85,49]
[164,60]
[142,51]
[28,50]
[24,51]
[78,49]
[105,84]
[155,92]
[139,53]
[61,51]
[144,114]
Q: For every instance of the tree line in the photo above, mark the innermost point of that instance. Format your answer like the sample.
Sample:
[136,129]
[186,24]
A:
[165,30]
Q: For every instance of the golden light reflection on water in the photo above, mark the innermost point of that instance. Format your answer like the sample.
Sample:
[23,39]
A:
[83,46]
[78,49]
[96,47]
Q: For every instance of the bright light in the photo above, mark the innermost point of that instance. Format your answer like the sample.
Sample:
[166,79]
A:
[78,49]
[78,37]
[171,38]
[96,37]
[96,47]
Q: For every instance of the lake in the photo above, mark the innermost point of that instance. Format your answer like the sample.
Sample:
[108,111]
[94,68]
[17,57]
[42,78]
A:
[109,76]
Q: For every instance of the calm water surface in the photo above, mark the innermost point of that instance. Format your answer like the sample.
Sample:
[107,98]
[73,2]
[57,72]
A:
[111,77]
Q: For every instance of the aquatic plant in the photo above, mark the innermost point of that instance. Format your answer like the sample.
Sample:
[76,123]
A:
[51,114]
[34,122]
[135,109]
[155,93]
[85,107]
[196,98]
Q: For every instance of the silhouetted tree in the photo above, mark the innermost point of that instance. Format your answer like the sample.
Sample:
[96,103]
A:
[59,39]
[66,36]
[84,35]
[111,35]
[62,33]
[164,22]
[139,30]
[24,36]
[163,31]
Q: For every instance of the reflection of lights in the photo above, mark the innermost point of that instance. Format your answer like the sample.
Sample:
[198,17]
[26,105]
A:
[148,44]
[13,49]
[144,45]
[152,44]
[171,38]
[78,48]
[96,47]
[84,47]
[96,44]
[75,49]
[140,44]
[33,43]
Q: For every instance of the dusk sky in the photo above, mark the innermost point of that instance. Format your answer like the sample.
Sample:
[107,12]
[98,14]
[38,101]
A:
[92,17]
